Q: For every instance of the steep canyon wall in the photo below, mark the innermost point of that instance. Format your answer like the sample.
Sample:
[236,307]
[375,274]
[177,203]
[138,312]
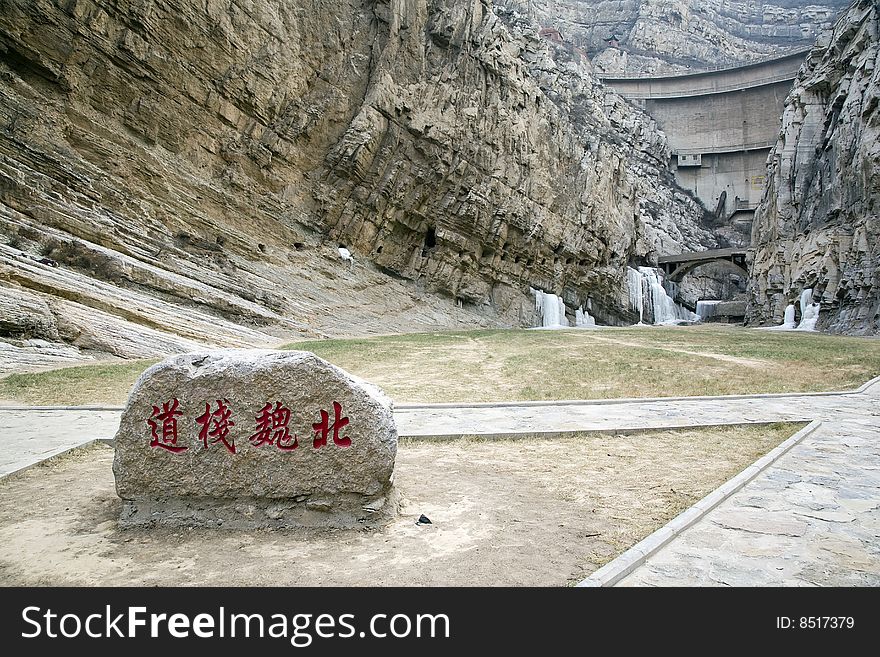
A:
[192,167]
[818,225]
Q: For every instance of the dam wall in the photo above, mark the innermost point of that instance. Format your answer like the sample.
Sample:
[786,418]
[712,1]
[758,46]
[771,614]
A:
[721,125]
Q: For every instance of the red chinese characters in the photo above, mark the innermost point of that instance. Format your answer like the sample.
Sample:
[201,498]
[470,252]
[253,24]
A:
[272,428]
[322,428]
[216,424]
[166,438]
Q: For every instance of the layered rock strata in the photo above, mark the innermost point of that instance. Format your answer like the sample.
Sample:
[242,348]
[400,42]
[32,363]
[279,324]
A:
[175,172]
[675,36]
[818,226]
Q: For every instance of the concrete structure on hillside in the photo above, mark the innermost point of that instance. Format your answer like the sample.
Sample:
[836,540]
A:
[721,125]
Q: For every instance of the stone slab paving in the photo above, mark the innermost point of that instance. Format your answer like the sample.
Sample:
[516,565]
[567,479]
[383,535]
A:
[635,414]
[810,519]
[30,436]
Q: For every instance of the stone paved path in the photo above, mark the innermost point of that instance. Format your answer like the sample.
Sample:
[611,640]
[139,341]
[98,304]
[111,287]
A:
[28,437]
[811,518]
[532,418]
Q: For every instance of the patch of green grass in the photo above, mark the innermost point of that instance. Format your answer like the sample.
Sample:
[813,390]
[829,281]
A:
[832,361]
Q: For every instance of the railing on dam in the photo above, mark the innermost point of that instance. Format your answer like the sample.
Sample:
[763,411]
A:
[703,83]
[796,54]
[732,148]
[704,91]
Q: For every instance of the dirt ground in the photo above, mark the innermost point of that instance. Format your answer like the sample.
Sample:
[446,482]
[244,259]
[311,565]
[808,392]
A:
[532,513]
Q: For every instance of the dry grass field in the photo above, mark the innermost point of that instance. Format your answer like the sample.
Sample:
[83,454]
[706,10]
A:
[520,365]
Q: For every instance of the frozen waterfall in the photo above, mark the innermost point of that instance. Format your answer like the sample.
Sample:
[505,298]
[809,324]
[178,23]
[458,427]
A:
[583,319]
[809,311]
[551,308]
[634,284]
[806,300]
[809,319]
[788,321]
[648,296]
[809,314]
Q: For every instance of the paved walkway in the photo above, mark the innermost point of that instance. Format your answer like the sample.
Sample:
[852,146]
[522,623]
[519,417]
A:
[813,517]
[30,436]
[621,415]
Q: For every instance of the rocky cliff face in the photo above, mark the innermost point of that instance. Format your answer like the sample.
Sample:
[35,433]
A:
[668,36]
[488,159]
[819,223]
[192,168]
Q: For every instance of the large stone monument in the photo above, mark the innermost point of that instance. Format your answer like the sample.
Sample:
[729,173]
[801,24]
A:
[253,438]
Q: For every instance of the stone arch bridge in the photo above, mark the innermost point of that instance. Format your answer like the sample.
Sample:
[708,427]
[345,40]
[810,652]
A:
[676,267]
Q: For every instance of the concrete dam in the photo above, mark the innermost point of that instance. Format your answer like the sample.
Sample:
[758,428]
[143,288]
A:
[721,125]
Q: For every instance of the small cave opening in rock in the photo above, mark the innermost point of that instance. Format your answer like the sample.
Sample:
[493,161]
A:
[430,241]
